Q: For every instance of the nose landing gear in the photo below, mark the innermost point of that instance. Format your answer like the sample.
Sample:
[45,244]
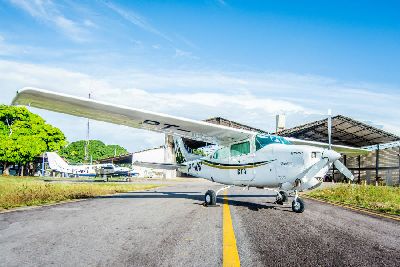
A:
[297,204]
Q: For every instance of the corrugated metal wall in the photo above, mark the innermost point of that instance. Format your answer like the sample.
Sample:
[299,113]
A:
[388,167]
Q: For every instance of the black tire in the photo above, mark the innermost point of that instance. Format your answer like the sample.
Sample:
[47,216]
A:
[298,205]
[279,200]
[284,195]
[210,198]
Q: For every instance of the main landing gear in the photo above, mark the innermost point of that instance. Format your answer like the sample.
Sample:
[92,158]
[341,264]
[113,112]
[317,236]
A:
[281,197]
[210,198]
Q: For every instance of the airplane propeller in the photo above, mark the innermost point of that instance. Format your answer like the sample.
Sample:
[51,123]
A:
[328,156]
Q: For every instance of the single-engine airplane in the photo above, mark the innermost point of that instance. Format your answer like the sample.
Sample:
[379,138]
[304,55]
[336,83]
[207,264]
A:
[56,163]
[245,158]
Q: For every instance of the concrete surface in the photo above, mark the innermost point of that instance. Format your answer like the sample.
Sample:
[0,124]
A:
[170,227]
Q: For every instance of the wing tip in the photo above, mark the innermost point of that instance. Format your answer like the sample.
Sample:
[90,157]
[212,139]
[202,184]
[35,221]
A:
[20,93]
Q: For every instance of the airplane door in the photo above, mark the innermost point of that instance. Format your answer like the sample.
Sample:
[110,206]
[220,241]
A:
[241,164]
[243,172]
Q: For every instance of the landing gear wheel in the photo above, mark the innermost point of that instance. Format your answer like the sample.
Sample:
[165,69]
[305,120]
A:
[210,198]
[284,195]
[281,198]
[298,205]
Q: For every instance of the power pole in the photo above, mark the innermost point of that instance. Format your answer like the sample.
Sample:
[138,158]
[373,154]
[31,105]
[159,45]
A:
[87,139]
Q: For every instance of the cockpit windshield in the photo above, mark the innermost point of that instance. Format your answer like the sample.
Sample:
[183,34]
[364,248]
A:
[264,140]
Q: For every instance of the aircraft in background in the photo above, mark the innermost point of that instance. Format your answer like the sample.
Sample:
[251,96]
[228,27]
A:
[56,163]
[245,158]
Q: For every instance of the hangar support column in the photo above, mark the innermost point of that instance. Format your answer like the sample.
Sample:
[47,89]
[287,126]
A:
[377,166]
[359,168]
[169,156]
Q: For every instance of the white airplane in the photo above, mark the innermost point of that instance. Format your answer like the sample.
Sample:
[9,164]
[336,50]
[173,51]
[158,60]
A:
[56,163]
[245,159]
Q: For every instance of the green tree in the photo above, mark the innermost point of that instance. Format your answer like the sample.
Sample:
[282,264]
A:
[75,152]
[24,136]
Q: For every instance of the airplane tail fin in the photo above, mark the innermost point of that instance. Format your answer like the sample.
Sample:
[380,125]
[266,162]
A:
[184,150]
[56,162]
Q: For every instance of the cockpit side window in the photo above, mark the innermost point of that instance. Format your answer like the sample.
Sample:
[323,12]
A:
[221,153]
[315,155]
[264,140]
[240,149]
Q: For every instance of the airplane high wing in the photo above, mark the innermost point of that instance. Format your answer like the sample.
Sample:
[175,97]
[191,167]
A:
[123,115]
[138,118]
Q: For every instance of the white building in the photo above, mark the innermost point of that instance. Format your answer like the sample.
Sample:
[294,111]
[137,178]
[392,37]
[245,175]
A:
[162,154]
[155,155]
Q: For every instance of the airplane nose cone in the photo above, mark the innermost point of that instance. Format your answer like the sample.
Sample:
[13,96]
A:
[331,155]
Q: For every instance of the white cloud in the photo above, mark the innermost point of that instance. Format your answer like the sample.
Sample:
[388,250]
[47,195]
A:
[7,49]
[89,23]
[136,19]
[186,41]
[250,98]
[184,54]
[48,12]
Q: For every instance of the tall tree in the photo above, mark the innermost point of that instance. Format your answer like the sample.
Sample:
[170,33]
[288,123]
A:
[75,152]
[24,136]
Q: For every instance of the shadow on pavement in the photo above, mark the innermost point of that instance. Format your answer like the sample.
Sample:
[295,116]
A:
[198,196]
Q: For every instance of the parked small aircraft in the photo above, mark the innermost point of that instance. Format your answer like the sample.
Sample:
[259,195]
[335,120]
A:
[245,158]
[56,163]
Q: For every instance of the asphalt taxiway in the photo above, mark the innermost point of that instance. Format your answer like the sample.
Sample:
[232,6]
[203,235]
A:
[169,226]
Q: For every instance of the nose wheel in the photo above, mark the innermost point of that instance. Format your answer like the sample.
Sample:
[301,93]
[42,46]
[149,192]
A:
[298,205]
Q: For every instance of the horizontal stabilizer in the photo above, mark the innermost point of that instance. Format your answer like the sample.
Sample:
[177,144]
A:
[154,165]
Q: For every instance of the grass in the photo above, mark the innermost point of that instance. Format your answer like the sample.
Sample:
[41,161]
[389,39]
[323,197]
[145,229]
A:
[79,179]
[31,191]
[379,198]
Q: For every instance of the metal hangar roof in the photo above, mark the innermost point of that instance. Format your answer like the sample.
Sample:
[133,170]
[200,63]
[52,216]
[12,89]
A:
[345,131]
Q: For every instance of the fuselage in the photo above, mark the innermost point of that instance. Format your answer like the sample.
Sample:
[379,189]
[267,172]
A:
[273,164]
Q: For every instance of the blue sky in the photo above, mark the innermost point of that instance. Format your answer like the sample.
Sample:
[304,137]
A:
[244,60]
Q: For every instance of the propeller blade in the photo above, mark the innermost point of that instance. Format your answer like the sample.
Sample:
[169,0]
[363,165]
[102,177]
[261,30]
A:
[330,128]
[315,169]
[346,172]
